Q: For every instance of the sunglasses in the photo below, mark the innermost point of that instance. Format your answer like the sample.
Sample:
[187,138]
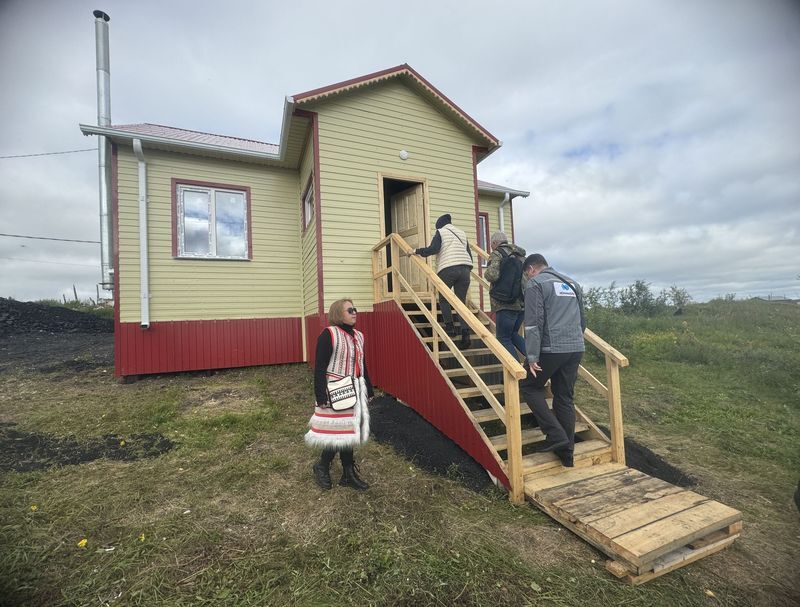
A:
[351,310]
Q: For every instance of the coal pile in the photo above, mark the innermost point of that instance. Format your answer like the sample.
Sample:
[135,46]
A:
[18,317]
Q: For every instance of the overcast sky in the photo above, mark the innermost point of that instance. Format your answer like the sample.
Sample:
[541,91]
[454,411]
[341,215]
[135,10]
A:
[659,140]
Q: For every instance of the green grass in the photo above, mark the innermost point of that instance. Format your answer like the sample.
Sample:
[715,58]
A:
[231,516]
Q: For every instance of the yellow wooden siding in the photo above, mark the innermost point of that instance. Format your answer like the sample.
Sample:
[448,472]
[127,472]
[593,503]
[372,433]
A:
[181,289]
[361,135]
[490,203]
[309,237]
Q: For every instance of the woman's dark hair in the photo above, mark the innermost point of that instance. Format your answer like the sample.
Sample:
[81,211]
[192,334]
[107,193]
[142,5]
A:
[535,260]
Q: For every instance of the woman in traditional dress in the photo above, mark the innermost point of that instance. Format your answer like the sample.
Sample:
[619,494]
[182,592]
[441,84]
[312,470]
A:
[340,353]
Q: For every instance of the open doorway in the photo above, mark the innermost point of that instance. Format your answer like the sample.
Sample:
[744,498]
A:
[405,211]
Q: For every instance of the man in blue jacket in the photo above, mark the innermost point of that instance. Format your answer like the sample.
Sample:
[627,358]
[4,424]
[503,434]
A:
[554,325]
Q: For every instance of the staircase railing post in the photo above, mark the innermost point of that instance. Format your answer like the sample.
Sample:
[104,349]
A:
[615,411]
[395,269]
[434,314]
[514,433]
[376,282]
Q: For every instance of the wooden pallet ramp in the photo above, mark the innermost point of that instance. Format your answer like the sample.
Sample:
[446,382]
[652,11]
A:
[647,527]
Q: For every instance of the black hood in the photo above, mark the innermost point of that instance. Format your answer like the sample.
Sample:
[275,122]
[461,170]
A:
[443,220]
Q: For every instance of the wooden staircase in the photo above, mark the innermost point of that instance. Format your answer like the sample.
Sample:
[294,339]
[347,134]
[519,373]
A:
[646,526]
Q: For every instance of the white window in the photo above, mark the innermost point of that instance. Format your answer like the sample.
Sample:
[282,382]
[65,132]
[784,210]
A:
[483,235]
[308,204]
[212,222]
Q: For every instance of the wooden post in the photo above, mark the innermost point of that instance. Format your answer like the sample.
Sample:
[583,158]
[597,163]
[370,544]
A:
[377,282]
[615,411]
[434,315]
[514,435]
[395,270]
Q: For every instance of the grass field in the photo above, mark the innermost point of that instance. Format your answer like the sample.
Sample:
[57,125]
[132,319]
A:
[230,516]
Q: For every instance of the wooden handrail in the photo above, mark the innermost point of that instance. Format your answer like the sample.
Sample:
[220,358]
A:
[482,333]
[605,348]
[478,251]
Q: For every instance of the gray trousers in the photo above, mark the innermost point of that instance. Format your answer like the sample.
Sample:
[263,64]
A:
[456,277]
[562,371]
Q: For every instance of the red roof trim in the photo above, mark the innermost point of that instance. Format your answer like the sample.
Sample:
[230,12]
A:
[347,83]
[396,71]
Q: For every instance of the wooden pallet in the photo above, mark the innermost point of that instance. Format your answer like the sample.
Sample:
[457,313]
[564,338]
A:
[647,526]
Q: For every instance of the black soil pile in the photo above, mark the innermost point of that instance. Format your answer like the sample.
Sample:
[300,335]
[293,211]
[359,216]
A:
[25,451]
[644,460]
[418,441]
[20,317]
[400,426]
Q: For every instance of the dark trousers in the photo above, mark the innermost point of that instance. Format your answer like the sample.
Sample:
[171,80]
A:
[508,324]
[346,455]
[456,277]
[562,371]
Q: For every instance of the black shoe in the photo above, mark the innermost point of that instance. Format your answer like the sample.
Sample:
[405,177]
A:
[546,445]
[450,329]
[465,342]
[322,475]
[565,455]
[350,478]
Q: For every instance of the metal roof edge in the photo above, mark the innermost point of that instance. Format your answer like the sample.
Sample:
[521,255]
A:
[503,190]
[90,129]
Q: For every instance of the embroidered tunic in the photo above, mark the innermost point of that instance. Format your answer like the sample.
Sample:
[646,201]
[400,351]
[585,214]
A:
[349,428]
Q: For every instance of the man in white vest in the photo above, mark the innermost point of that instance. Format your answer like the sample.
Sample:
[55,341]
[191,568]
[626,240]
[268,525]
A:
[453,265]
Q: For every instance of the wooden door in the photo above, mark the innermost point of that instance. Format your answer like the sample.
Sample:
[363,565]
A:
[408,220]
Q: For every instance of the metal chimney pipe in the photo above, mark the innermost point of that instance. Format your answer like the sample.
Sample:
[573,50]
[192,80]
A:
[104,146]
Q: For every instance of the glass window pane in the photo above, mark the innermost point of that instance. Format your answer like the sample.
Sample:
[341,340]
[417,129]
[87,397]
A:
[196,223]
[231,226]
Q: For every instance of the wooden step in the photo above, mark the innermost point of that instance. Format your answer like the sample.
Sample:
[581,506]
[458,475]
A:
[647,526]
[427,325]
[529,435]
[484,369]
[587,453]
[470,352]
[489,415]
[475,391]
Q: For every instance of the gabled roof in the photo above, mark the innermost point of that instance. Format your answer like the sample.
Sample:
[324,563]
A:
[408,73]
[493,188]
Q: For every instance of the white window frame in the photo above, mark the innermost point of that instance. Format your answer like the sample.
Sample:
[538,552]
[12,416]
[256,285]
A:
[308,204]
[211,191]
[483,230]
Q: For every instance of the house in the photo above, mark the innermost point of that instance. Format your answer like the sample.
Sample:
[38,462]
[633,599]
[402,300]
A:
[245,244]
[228,252]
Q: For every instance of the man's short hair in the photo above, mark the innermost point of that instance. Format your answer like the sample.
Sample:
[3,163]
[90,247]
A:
[499,238]
[535,260]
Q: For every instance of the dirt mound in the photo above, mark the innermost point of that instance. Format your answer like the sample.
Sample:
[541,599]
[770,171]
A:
[28,317]
[400,426]
[25,451]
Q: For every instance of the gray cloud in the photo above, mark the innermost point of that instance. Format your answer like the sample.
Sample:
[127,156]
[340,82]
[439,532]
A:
[658,140]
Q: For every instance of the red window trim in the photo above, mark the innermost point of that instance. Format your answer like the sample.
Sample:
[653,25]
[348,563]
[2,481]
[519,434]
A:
[175,182]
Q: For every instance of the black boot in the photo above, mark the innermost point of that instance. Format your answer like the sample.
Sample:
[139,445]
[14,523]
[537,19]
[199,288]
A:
[322,474]
[450,329]
[566,457]
[350,478]
[465,342]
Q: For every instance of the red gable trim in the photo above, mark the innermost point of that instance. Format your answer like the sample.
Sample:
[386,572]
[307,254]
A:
[391,72]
